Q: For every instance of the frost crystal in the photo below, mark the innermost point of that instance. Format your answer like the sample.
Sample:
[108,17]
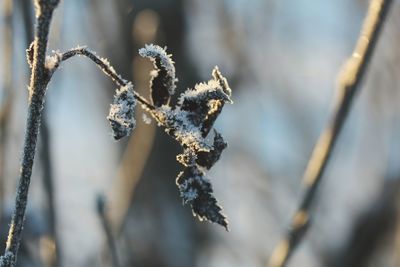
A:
[52,61]
[122,112]
[162,84]
[146,119]
[29,54]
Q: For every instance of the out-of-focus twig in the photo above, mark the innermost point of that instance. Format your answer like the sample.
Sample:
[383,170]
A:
[349,83]
[7,85]
[128,175]
[101,210]
[47,168]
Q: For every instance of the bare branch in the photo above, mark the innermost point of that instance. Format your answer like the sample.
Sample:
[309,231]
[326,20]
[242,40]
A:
[349,83]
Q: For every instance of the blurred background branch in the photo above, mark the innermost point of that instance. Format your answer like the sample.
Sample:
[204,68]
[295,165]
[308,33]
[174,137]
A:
[6,93]
[350,79]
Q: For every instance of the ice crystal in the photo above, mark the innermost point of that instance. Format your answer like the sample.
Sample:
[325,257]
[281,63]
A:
[29,54]
[122,111]
[52,61]
[146,119]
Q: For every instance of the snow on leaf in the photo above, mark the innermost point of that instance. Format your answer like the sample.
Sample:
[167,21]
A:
[177,124]
[204,103]
[162,84]
[122,112]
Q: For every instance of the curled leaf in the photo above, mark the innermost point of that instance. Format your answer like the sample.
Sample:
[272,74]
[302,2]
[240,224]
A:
[122,112]
[162,83]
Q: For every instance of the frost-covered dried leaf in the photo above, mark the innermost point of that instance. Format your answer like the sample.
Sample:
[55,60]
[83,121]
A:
[197,191]
[189,123]
[162,84]
[197,99]
[204,103]
[122,112]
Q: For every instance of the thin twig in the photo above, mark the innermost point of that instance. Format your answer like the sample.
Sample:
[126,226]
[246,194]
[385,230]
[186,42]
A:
[101,210]
[349,83]
[37,89]
[104,65]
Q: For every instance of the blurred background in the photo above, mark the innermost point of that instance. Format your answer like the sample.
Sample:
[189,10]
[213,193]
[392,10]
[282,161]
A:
[281,59]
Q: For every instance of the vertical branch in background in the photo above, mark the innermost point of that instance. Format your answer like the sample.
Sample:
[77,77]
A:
[349,83]
[7,85]
[105,222]
[45,155]
[138,148]
[45,149]
[40,78]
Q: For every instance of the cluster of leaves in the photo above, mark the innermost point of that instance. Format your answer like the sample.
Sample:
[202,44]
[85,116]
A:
[190,122]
